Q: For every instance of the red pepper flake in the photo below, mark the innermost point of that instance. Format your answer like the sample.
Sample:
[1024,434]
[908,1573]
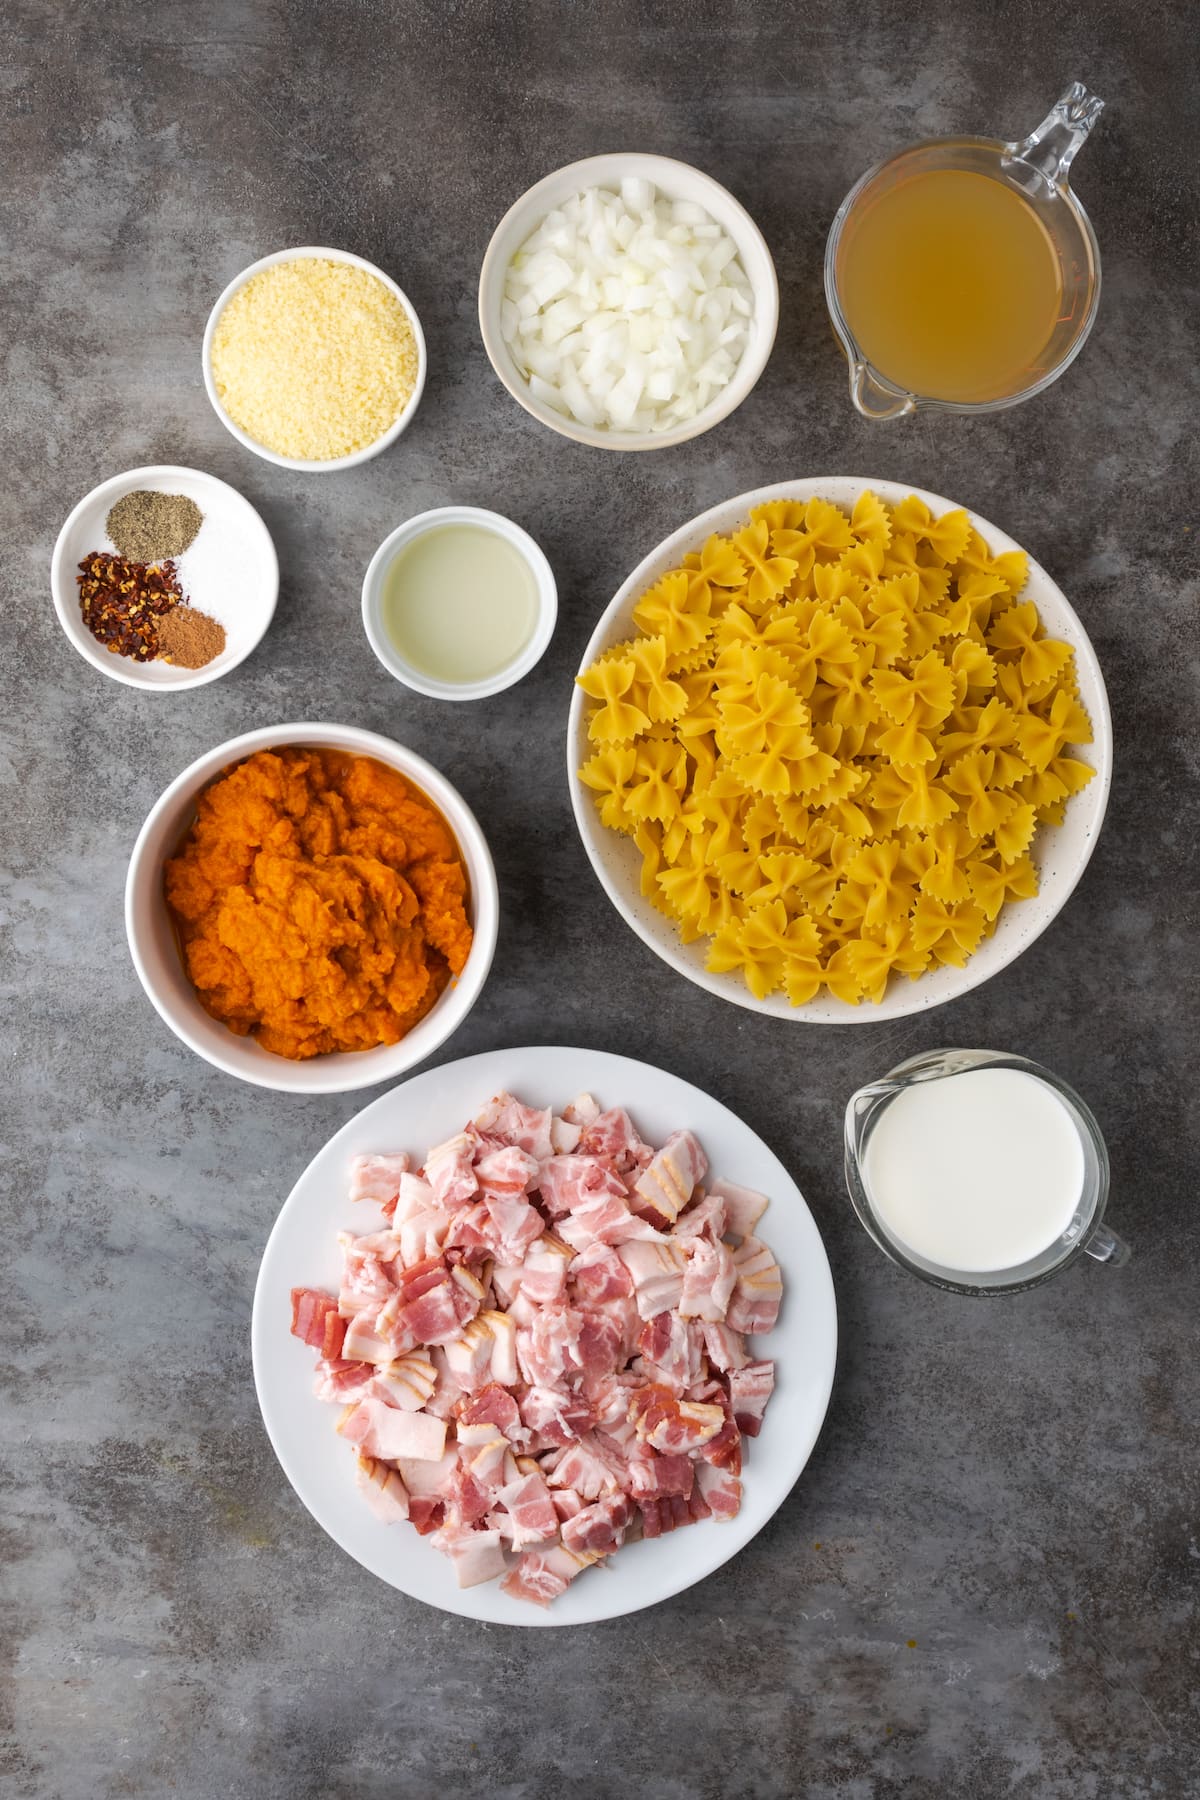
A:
[120,601]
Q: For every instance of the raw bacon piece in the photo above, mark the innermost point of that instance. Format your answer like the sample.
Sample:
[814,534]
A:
[531,1508]
[582,1110]
[544,1271]
[477,1555]
[449,1170]
[564,1136]
[534,1579]
[341,1382]
[528,1127]
[656,1477]
[726,1349]
[672,1511]
[744,1207]
[384,1431]
[559,1417]
[674,1349]
[382,1489]
[705,1217]
[754,1307]
[426,1512]
[598,1274]
[749,1390]
[721,1490]
[317,1322]
[507,1171]
[503,1366]
[599,1527]
[566,1182]
[469,1355]
[667,1183]
[407,1383]
[364,1342]
[415,1196]
[515,1225]
[600,1343]
[600,1219]
[657,1273]
[378,1177]
[585,1468]
[612,1136]
[492,1406]
[542,1575]
[665,1422]
[708,1281]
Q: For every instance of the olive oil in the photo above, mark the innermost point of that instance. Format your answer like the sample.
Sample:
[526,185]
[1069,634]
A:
[459,603]
[950,285]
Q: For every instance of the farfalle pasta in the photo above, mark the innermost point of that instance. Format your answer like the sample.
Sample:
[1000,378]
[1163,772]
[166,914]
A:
[833,741]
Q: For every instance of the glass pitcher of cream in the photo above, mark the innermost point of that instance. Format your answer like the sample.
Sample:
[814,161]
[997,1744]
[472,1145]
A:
[981,1172]
[963,274]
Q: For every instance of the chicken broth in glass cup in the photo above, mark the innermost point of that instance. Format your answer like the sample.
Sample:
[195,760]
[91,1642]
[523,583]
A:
[963,274]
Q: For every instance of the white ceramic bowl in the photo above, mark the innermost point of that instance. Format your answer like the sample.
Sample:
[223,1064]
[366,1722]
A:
[680,182]
[160,968]
[229,571]
[310,465]
[1060,852]
[417,679]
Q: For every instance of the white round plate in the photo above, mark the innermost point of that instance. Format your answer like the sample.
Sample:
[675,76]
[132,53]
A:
[302,1251]
[229,571]
[1061,853]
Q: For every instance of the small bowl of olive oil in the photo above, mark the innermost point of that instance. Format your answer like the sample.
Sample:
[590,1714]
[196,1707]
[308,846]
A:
[459,603]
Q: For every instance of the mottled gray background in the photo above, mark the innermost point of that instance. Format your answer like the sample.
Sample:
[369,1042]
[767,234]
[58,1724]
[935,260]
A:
[985,1584]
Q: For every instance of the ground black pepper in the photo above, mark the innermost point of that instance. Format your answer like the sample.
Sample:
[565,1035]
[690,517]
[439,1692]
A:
[148,527]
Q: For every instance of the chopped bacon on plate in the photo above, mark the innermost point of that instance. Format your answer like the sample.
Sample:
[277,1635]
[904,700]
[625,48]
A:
[540,1354]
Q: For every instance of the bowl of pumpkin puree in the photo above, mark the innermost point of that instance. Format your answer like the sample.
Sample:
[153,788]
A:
[312,908]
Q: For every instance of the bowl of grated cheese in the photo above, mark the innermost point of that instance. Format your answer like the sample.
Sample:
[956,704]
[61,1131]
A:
[314,359]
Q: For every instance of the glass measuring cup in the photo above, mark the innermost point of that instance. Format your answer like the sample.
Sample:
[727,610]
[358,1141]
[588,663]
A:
[1036,170]
[1085,1232]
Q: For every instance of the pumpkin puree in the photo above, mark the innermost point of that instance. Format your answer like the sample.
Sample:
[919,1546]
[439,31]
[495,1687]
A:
[319,901]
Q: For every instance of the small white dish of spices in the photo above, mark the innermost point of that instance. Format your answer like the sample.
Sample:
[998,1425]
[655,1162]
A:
[164,577]
[314,359]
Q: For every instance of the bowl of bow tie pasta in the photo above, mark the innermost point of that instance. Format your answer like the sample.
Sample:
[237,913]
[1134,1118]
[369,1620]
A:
[839,750]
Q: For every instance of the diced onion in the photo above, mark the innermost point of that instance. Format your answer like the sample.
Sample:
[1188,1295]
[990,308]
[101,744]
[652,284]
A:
[627,311]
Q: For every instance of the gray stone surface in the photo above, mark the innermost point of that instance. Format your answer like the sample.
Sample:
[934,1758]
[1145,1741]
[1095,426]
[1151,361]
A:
[985,1584]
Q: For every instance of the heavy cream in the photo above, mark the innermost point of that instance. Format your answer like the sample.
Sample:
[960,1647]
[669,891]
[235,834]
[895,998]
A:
[975,1172]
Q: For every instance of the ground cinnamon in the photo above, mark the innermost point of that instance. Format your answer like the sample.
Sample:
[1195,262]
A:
[188,638]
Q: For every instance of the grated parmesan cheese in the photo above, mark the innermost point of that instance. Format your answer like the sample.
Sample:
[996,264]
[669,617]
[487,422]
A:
[314,359]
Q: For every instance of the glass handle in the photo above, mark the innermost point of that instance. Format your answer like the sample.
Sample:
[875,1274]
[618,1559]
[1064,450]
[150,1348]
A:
[873,400]
[1045,156]
[1107,1247]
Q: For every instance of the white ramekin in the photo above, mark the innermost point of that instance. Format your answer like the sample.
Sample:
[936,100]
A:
[372,595]
[311,465]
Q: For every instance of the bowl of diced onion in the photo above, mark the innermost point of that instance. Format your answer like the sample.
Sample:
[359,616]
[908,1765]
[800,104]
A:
[628,301]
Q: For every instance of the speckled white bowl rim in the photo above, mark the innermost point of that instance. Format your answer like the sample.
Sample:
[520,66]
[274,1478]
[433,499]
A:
[1061,852]
[160,969]
[512,533]
[608,170]
[310,465]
